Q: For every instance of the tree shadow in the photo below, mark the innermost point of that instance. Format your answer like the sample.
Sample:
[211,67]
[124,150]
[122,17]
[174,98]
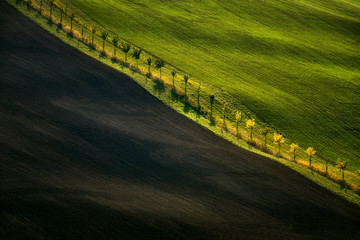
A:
[50,22]
[212,121]
[59,27]
[102,54]
[159,86]
[92,47]
[70,34]
[198,112]
[187,107]
[147,76]
[124,64]
[134,69]
[174,95]
[114,60]
[28,5]
[343,185]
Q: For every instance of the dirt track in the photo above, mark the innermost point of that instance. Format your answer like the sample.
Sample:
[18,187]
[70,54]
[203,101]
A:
[88,154]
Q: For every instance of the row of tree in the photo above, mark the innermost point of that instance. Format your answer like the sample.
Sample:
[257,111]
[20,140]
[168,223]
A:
[126,48]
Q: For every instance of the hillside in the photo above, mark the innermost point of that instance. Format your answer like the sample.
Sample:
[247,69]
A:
[295,64]
[86,153]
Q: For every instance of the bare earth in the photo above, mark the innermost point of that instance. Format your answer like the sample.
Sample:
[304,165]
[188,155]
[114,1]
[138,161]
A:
[85,153]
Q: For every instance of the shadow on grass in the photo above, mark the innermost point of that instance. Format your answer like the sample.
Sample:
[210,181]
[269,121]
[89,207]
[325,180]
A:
[114,60]
[50,22]
[212,121]
[92,47]
[102,55]
[70,34]
[187,107]
[159,86]
[174,95]
[59,27]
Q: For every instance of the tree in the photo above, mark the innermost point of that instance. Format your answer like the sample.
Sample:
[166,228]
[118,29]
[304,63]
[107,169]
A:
[125,47]
[326,165]
[279,139]
[293,148]
[148,62]
[93,31]
[28,4]
[136,54]
[115,42]
[186,78]
[224,114]
[250,124]
[341,165]
[72,17]
[41,3]
[212,99]
[198,96]
[310,152]
[104,35]
[237,119]
[82,30]
[61,14]
[159,63]
[51,7]
[265,132]
[173,74]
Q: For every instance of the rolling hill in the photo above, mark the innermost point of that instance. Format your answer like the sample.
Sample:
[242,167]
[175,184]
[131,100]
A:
[86,153]
[295,64]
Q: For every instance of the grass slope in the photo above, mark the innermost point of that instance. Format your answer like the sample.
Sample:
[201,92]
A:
[294,64]
[88,154]
[164,94]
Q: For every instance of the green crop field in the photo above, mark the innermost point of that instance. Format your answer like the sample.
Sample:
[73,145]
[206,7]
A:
[294,64]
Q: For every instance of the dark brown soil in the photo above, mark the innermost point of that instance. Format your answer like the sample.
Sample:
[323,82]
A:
[88,154]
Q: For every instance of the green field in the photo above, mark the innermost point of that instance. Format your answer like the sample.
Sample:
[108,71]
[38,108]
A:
[294,64]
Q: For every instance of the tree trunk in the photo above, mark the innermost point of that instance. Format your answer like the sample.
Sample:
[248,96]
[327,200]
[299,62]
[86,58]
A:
[279,149]
[310,160]
[114,51]
[198,99]
[237,130]
[173,82]
[326,168]
[265,141]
